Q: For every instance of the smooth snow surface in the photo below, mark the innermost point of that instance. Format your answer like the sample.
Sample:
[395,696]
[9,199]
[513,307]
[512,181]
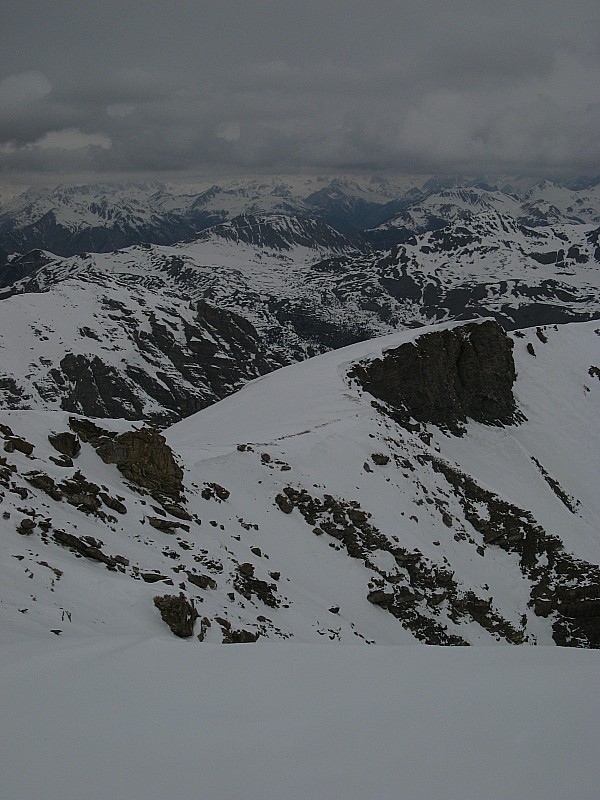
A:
[133,719]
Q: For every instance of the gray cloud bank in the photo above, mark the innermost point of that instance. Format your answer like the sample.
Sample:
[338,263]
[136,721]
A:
[197,87]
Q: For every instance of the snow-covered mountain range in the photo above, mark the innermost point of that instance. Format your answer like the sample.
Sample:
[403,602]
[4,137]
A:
[544,204]
[102,217]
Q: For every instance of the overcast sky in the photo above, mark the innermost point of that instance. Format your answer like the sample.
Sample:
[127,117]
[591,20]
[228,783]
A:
[197,88]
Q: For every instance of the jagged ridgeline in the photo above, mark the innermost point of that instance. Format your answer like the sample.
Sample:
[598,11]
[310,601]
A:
[435,487]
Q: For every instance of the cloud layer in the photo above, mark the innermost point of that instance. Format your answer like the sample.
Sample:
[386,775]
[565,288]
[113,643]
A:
[191,87]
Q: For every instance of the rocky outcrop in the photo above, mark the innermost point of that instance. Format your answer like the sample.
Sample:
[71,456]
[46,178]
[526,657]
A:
[13,443]
[178,613]
[142,456]
[145,458]
[89,547]
[447,376]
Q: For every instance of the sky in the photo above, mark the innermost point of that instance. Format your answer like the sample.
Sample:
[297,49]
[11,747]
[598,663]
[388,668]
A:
[195,88]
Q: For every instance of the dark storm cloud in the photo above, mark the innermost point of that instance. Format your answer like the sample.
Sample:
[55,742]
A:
[190,87]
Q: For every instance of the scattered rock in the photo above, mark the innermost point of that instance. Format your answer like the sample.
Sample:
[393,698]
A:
[380,598]
[213,491]
[202,581]
[113,503]
[240,637]
[204,626]
[177,511]
[84,494]
[380,459]
[63,461]
[167,525]
[89,547]
[249,586]
[40,480]
[284,504]
[155,577]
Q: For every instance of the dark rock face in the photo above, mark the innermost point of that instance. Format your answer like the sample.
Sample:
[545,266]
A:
[145,458]
[97,389]
[178,613]
[446,376]
[178,371]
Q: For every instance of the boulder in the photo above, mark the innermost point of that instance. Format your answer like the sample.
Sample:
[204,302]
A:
[18,444]
[65,443]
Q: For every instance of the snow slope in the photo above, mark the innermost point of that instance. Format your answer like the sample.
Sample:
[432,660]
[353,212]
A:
[145,719]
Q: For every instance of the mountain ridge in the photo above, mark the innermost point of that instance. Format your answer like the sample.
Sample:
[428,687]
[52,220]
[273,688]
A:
[69,220]
[306,510]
